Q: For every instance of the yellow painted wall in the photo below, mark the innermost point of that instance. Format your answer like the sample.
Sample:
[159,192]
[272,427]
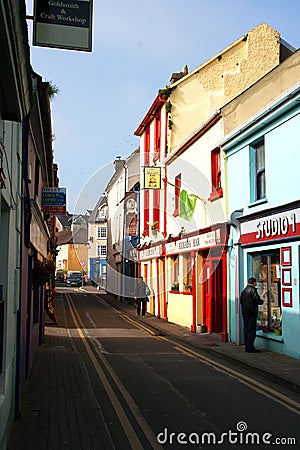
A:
[76,255]
[180,309]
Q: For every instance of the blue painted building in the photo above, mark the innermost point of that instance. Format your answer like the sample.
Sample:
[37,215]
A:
[262,157]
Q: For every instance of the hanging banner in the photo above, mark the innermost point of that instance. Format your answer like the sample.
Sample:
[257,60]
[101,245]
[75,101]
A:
[63,24]
[152,177]
[131,214]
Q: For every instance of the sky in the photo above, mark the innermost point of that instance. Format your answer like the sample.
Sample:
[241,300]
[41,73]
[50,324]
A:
[104,94]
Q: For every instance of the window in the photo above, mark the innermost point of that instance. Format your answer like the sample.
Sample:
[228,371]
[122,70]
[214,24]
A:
[216,168]
[102,232]
[102,251]
[258,176]
[266,270]
[174,273]
[102,213]
[188,272]
[216,181]
[177,194]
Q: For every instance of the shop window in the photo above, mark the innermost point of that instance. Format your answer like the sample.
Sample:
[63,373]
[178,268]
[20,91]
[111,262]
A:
[188,272]
[177,194]
[257,169]
[174,270]
[266,270]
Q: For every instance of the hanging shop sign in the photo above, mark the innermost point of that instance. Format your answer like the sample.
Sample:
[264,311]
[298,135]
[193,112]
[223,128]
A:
[54,200]
[63,24]
[273,227]
[152,177]
[131,214]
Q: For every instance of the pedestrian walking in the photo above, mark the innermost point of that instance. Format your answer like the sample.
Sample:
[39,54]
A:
[250,300]
[141,296]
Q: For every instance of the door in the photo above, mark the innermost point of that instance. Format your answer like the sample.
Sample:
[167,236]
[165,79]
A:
[213,293]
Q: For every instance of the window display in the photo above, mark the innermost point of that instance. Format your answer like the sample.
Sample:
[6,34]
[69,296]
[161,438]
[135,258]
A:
[266,270]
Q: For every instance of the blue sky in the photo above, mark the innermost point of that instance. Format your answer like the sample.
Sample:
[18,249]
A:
[136,46]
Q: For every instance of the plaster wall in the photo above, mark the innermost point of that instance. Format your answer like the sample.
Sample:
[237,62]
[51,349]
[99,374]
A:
[222,78]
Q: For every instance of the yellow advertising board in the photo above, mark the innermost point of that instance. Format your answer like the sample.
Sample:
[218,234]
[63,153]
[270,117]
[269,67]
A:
[152,177]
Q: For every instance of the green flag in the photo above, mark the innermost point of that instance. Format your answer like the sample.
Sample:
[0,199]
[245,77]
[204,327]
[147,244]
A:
[187,203]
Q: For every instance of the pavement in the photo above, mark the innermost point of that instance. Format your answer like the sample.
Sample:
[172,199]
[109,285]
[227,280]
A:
[59,410]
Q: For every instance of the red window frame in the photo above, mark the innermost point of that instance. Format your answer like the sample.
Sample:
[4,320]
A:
[156,207]
[175,274]
[177,194]
[147,147]
[216,168]
[188,274]
[216,174]
[157,136]
[146,191]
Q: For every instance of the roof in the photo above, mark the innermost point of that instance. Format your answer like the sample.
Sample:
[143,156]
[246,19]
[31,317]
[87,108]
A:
[64,237]
[102,201]
[67,237]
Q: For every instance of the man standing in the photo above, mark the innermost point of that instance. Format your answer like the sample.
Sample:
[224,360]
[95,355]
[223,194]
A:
[141,294]
[249,302]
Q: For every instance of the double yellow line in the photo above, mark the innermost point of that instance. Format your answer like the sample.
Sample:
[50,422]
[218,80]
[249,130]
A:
[124,421]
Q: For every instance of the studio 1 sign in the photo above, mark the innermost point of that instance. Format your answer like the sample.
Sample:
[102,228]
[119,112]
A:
[273,227]
[63,24]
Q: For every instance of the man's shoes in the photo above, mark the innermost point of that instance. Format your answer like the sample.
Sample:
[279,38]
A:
[253,351]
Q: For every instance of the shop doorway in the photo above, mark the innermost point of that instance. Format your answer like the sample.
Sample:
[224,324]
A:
[213,294]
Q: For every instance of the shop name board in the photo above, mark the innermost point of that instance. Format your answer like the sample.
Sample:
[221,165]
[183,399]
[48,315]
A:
[63,24]
[149,253]
[192,243]
[274,227]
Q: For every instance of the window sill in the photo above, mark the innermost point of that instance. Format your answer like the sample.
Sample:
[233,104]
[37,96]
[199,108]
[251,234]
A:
[187,293]
[174,292]
[218,193]
[258,202]
[269,335]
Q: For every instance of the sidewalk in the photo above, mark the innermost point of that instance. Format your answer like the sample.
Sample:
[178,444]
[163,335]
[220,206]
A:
[59,409]
[275,367]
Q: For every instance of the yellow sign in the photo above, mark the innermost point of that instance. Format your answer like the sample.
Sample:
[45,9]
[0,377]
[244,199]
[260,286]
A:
[152,177]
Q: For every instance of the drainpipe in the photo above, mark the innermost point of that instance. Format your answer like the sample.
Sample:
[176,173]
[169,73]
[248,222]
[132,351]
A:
[238,268]
[194,301]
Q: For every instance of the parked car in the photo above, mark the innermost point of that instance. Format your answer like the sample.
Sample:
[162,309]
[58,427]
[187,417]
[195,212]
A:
[74,278]
[60,276]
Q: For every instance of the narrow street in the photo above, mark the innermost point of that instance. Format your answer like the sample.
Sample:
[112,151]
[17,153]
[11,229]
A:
[106,380]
